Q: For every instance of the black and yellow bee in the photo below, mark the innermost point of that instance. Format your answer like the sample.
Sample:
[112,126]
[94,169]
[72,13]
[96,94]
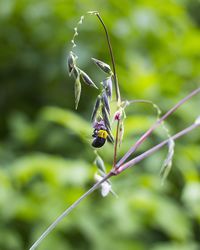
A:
[100,137]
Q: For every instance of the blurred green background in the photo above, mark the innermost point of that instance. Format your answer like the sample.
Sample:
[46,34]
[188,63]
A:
[46,161]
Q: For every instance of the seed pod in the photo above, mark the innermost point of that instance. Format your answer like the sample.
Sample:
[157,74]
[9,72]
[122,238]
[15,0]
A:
[105,117]
[110,136]
[71,61]
[77,91]
[100,164]
[103,66]
[87,79]
[96,107]
[106,102]
[107,84]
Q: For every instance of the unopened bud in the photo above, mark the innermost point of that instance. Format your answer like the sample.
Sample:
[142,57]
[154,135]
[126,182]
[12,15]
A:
[106,117]
[77,91]
[106,102]
[117,115]
[87,79]
[71,61]
[107,84]
[96,107]
[103,66]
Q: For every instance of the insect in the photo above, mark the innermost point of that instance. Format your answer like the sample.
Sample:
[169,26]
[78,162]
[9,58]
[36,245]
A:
[100,137]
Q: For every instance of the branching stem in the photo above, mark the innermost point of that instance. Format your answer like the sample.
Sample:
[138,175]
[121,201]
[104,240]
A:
[155,125]
[121,166]
[113,172]
[147,153]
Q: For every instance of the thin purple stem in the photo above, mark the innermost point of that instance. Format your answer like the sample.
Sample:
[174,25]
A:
[110,174]
[142,156]
[68,210]
[116,144]
[155,125]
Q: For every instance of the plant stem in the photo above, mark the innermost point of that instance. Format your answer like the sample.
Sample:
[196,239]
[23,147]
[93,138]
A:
[155,125]
[116,144]
[112,59]
[113,172]
[142,156]
[68,210]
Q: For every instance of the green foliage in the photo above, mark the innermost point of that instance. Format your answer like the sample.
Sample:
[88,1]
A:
[45,153]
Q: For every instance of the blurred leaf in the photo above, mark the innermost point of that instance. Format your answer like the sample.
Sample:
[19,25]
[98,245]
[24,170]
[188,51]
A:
[68,119]
[44,167]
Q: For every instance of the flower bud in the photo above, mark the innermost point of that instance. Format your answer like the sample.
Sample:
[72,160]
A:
[103,66]
[100,164]
[107,84]
[87,79]
[106,102]
[117,115]
[110,136]
[77,91]
[96,107]
[105,186]
[71,61]
[106,117]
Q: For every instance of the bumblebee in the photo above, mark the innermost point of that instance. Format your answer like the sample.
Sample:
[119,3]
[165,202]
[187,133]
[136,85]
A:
[100,138]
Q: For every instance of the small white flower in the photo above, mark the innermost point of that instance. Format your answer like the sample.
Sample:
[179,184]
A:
[197,121]
[105,186]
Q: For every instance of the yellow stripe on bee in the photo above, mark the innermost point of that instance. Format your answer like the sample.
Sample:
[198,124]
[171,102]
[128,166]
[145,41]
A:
[102,134]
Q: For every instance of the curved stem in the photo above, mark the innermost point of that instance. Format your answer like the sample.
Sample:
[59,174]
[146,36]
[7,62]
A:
[68,210]
[112,59]
[113,172]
